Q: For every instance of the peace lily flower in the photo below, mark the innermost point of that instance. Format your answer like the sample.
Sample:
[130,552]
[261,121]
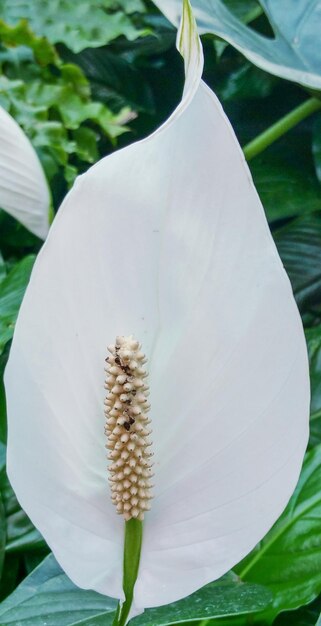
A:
[165,242]
[23,189]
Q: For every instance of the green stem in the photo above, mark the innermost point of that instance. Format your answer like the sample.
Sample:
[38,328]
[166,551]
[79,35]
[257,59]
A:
[281,127]
[132,550]
[51,214]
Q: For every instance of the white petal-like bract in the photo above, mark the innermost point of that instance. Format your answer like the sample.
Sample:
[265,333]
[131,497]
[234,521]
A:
[165,240]
[23,188]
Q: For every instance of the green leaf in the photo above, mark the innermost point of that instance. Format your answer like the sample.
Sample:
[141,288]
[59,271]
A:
[12,290]
[3,410]
[313,337]
[3,525]
[225,597]
[86,144]
[299,245]
[48,596]
[305,616]
[246,82]
[10,575]
[21,533]
[3,269]
[316,146]
[78,25]
[286,190]
[288,560]
[115,80]
[292,53]
[66,605]
[21,35]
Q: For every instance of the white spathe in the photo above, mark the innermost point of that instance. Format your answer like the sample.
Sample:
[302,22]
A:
[166,240]
[23,188]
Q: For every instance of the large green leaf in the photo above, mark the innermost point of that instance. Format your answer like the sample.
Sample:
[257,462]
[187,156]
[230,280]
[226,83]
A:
[78,25]
[223,598]
[299,245]
[12,289]
[288,559]
[21,535]
[316,146]
[305,616]
[3,525]
[285,189]
[293,53]
[313,336]
[48,596]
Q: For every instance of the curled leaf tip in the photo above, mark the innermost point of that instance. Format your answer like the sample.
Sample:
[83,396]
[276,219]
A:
[127,429]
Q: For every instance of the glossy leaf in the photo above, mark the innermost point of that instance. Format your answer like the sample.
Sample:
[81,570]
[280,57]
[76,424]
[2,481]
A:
[288,560]
[299,247]
[286,190]
[65,605]
[305,616]
[47,595]
[313,336]
[3,524]
[316,147]
[12,289]
[291,54]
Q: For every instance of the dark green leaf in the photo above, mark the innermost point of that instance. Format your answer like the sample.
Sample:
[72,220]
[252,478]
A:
[299,245]
[226,597]
[285,189]
[246,82]
[10,574]
[3,408]
[313,336]
[3,525]
[21,534]
[12,290]
[48,596]
[115,80]
[316,146]
[306,616]
[66,605]
[288,559]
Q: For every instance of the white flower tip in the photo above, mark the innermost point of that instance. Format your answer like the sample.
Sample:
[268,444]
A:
[189,45]
[126,429]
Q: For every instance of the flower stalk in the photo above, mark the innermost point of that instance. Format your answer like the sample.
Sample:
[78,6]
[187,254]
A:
[132,550]
[282,126]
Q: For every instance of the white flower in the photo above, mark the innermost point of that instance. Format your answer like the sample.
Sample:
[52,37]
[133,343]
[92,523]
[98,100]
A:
[165,240]
[23,188]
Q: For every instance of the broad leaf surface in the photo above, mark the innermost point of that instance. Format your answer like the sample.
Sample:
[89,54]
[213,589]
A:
[21,534]
[305,616]
[12,289]
[285,190]
[316,146]
[288,559]
[47,595]
[77,25]
[313,336]
[3,525]
[299,245]
[293,53]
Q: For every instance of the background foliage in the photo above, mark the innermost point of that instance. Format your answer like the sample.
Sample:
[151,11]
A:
[86,78]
